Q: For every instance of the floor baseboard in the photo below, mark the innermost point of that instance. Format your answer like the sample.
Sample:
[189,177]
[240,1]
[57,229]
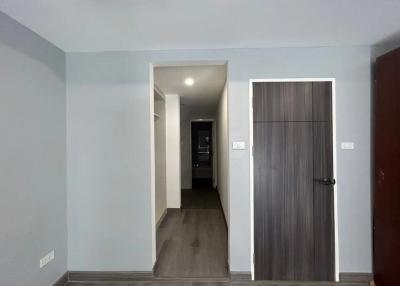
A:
[222,208]
[303,283]
[94,277]
[62,281]
[161,218]
[172,280]
[171,210]
[109,276]
[355,277]
[239,276]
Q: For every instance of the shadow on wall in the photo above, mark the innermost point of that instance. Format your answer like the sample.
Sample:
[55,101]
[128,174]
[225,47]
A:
[32,45]
[390,43]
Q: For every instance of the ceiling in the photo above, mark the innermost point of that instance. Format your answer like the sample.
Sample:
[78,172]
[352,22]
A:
[99,25]
[203,95]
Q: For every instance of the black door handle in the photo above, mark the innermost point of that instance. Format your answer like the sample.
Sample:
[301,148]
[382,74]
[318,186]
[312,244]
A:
[326,181]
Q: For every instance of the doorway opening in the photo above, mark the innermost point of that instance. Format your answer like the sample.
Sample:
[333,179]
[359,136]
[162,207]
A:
[293,171]
[202,154]
[191,194]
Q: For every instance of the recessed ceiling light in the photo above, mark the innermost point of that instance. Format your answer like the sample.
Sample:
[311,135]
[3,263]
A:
[189,81]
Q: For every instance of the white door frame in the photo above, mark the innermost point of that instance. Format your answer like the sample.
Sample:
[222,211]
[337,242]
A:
[332,80]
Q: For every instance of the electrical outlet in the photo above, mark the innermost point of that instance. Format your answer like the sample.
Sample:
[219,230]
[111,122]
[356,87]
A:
[45,260]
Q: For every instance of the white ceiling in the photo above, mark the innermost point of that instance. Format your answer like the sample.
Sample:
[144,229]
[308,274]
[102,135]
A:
[203,95]
[99,25]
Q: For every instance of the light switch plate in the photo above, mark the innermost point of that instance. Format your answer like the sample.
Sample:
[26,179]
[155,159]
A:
[239,145]
[347,145]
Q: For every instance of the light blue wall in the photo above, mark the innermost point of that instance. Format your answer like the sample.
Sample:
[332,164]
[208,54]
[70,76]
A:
[109,215]
[32,157]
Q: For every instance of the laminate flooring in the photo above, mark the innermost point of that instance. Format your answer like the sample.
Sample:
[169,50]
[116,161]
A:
[193,242]
[200,199]
[200,283]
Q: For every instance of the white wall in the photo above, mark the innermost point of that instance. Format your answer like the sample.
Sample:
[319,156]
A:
[223,151]
[108,147]
[109,199]
[160,159]
[172,113]
[33,209]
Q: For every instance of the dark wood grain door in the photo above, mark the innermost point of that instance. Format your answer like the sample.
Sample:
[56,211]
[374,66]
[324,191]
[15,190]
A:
[293,181]
[387,170]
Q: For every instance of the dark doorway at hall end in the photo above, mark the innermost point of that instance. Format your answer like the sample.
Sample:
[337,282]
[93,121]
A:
[202,153]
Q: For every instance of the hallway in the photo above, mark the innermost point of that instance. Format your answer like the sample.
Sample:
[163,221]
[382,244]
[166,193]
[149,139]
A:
[192,242]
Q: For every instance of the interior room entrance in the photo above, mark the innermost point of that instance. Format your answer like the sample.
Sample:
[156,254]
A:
[191,194]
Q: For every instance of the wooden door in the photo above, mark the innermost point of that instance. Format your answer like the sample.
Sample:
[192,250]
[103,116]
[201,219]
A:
[293,181]
[387,170]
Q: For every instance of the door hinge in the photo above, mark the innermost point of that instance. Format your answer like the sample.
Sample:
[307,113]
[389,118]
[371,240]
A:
[254,258]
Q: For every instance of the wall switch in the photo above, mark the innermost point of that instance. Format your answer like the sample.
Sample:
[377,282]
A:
[347,145]
[45,260]
[239,145]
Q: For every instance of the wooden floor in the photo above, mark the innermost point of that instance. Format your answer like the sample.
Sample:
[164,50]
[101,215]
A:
[192,242]
[205,283]
[200,199]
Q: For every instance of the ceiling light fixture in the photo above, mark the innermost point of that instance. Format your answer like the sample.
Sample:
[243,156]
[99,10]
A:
[189,81]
